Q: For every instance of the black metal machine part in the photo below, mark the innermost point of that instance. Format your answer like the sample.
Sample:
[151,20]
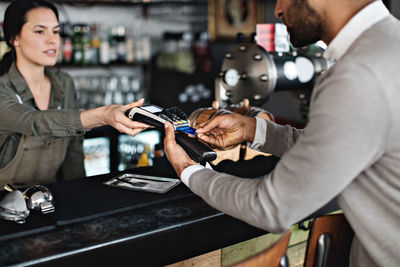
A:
[248,71]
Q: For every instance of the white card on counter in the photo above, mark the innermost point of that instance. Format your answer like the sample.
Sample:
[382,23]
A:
[139,182]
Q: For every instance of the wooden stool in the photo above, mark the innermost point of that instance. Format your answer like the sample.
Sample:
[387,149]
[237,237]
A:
[274,256]
[329,242]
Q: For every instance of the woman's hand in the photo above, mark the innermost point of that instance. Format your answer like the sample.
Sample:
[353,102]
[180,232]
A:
[113,115]
[228,130]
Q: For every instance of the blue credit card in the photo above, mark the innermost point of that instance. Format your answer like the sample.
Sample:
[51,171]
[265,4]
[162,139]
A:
[188,130]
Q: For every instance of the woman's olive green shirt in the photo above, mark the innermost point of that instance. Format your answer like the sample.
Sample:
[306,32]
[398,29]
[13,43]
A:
[19,115]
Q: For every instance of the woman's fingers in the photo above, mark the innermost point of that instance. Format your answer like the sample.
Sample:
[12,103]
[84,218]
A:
[130,131]
[138,103]
[123,119]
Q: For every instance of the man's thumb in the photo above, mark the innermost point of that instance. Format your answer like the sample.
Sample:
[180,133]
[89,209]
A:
[169,131]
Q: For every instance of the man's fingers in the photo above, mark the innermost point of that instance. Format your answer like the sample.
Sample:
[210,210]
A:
[169,132]
[209,125]
[209,139]
[169,140]
[204,138]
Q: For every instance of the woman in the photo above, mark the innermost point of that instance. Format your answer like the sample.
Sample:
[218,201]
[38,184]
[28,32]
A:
[41,128]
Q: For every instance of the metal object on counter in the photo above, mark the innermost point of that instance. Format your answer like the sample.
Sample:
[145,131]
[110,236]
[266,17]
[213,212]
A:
[248,71]
[38,197]
[13,207]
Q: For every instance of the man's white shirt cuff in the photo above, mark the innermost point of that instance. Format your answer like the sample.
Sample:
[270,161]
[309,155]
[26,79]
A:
[260,135]
[258,143]
[188,171]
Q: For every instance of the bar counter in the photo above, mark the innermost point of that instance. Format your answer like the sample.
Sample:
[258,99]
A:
[160,230]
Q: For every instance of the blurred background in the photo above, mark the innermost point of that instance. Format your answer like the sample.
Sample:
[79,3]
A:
[180,53]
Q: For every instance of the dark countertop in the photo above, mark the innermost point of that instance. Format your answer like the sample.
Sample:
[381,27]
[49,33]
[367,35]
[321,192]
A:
[152,236]
[160,233]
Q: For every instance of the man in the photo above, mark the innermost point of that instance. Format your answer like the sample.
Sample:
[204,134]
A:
[350,148]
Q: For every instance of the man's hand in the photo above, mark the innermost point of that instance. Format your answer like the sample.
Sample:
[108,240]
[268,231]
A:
[175,153]
[228,130]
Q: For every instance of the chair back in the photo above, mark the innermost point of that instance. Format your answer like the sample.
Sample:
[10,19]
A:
[273,256]
[329,242]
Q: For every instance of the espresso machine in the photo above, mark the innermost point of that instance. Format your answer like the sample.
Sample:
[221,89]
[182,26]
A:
[250,72]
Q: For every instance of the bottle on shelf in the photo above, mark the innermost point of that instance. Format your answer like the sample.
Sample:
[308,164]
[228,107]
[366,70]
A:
[104,46]
[86,44]
[66,50]
[202,51]
[138,48]
[113,52]
[77,44]
[94,45]
[130,46]
[146,47]
[120,38]
[184,58]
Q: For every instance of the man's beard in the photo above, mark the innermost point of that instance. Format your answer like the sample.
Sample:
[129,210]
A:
[304,24]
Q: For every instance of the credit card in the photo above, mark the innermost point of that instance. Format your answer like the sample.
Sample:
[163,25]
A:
[188,130]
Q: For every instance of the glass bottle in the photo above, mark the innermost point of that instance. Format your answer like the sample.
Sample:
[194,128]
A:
[77,44]
[104,46]
[94,45]
[121,44]
[203,52]
[146,48]
[86,45]
[130,46]
[185,60]
[67,48]
[113,44]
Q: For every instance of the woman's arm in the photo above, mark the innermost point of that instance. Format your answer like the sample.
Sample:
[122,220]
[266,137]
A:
[16,117]
[113,115]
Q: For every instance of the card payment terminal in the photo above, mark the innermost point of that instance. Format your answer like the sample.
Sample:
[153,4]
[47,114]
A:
[156,116]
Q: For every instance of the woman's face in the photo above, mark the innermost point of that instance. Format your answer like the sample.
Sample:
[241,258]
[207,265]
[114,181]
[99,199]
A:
[39,40]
